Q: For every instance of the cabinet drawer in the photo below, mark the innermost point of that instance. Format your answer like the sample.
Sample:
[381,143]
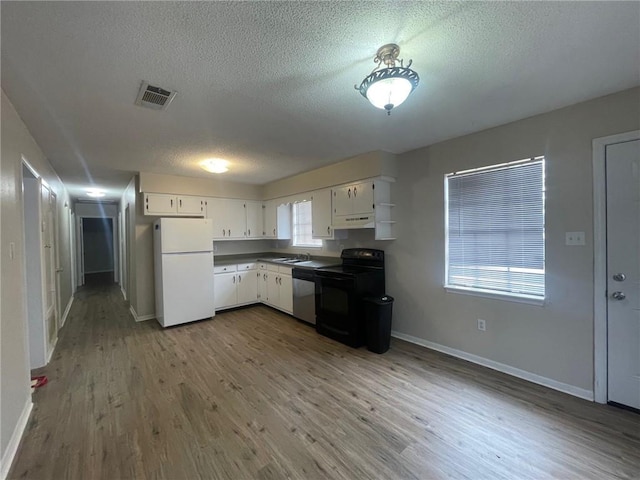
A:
[224,268]
[272,268]
[285,270]
[246,266]
[262,266]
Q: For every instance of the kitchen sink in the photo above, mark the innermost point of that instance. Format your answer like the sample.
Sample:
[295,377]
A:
[286,260]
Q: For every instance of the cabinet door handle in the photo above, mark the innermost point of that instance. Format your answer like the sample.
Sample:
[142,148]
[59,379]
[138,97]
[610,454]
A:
[355,191]
[180,203]
[171,200]
[274,231]
[239,279]
[229,232]
[234,279]
[329,230]
[223,232]
[349,193]
[249,232]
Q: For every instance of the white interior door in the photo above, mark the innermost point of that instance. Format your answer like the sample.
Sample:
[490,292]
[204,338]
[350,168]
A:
[49,265]
[623,272]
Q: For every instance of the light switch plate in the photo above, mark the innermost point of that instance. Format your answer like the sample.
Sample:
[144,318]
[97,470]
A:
[574,239]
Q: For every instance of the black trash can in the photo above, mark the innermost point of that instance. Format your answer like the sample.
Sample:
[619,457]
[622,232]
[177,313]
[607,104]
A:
[378,322]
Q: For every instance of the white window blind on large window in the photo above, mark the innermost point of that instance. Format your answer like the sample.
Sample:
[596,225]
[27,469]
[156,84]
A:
[302,226]
[495,229]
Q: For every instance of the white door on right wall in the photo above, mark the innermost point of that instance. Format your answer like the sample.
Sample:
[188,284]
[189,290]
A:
[623,272]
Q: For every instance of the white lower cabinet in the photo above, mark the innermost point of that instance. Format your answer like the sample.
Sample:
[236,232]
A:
[273,289]
[235,285]
[262,282]
[225,290]
[279,288]
[248,283]
[286,292]
[247,287]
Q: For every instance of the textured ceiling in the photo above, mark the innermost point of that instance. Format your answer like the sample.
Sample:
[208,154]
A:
[269,85]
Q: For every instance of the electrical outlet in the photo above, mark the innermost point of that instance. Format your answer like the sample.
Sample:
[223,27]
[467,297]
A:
[482,325]
[574,239]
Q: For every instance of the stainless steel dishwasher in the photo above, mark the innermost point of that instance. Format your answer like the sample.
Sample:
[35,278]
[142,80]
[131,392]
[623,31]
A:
[304,294]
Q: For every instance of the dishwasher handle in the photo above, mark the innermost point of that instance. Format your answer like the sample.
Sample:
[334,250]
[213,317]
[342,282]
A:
[304,274]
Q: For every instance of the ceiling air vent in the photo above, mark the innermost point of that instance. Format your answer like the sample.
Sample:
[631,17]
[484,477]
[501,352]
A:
[153,97]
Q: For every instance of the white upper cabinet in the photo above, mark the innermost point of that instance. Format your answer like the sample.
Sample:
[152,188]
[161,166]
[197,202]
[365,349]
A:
[277,220]
[236,218]
[354,199]
[321,225]
[365,205]
[269,222]
[190,205]
[160,204]
[228,216]
[253,212]
[362,204]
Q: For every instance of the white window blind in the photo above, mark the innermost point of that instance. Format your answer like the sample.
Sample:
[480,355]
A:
[302,226]
[495,228]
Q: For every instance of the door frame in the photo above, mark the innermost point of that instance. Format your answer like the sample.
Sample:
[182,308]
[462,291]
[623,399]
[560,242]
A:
[115,251]
[600,372]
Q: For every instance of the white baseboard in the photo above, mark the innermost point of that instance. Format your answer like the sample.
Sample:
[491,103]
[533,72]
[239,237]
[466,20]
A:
[52,347]
[14,442]
[141,318]
[66,311]
[124,294]
[501,367]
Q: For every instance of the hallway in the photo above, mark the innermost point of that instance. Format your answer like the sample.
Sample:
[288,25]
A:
[257,394]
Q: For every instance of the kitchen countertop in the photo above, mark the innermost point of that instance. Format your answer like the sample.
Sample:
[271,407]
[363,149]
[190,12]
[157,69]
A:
[270,257]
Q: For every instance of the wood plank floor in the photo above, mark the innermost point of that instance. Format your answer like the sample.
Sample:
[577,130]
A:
[256,394]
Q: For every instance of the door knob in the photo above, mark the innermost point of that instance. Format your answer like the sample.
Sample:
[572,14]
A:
[619,277]
[618,295]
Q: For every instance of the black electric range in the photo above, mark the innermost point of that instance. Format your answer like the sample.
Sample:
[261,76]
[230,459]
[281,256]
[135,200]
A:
[340,291]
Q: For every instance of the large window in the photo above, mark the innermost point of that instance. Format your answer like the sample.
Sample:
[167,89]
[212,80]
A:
[495,229]
[302,227]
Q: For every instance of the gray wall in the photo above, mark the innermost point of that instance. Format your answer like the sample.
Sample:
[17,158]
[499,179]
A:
[554,340]
[15,392]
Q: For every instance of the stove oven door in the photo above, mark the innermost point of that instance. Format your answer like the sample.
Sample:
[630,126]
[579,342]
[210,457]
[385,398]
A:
[339,309]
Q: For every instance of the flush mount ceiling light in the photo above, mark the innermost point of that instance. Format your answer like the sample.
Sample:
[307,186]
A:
[95,193]
[215,165]
[388,87]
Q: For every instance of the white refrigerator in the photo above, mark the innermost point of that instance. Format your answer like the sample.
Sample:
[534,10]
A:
[183,251]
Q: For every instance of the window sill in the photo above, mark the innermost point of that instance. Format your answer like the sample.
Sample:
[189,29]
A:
[530,300]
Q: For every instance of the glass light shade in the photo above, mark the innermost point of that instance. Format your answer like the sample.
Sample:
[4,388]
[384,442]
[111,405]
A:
[215,165]
[389,91]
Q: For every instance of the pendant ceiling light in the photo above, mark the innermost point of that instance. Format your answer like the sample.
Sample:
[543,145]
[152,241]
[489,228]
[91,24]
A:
[388,87]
